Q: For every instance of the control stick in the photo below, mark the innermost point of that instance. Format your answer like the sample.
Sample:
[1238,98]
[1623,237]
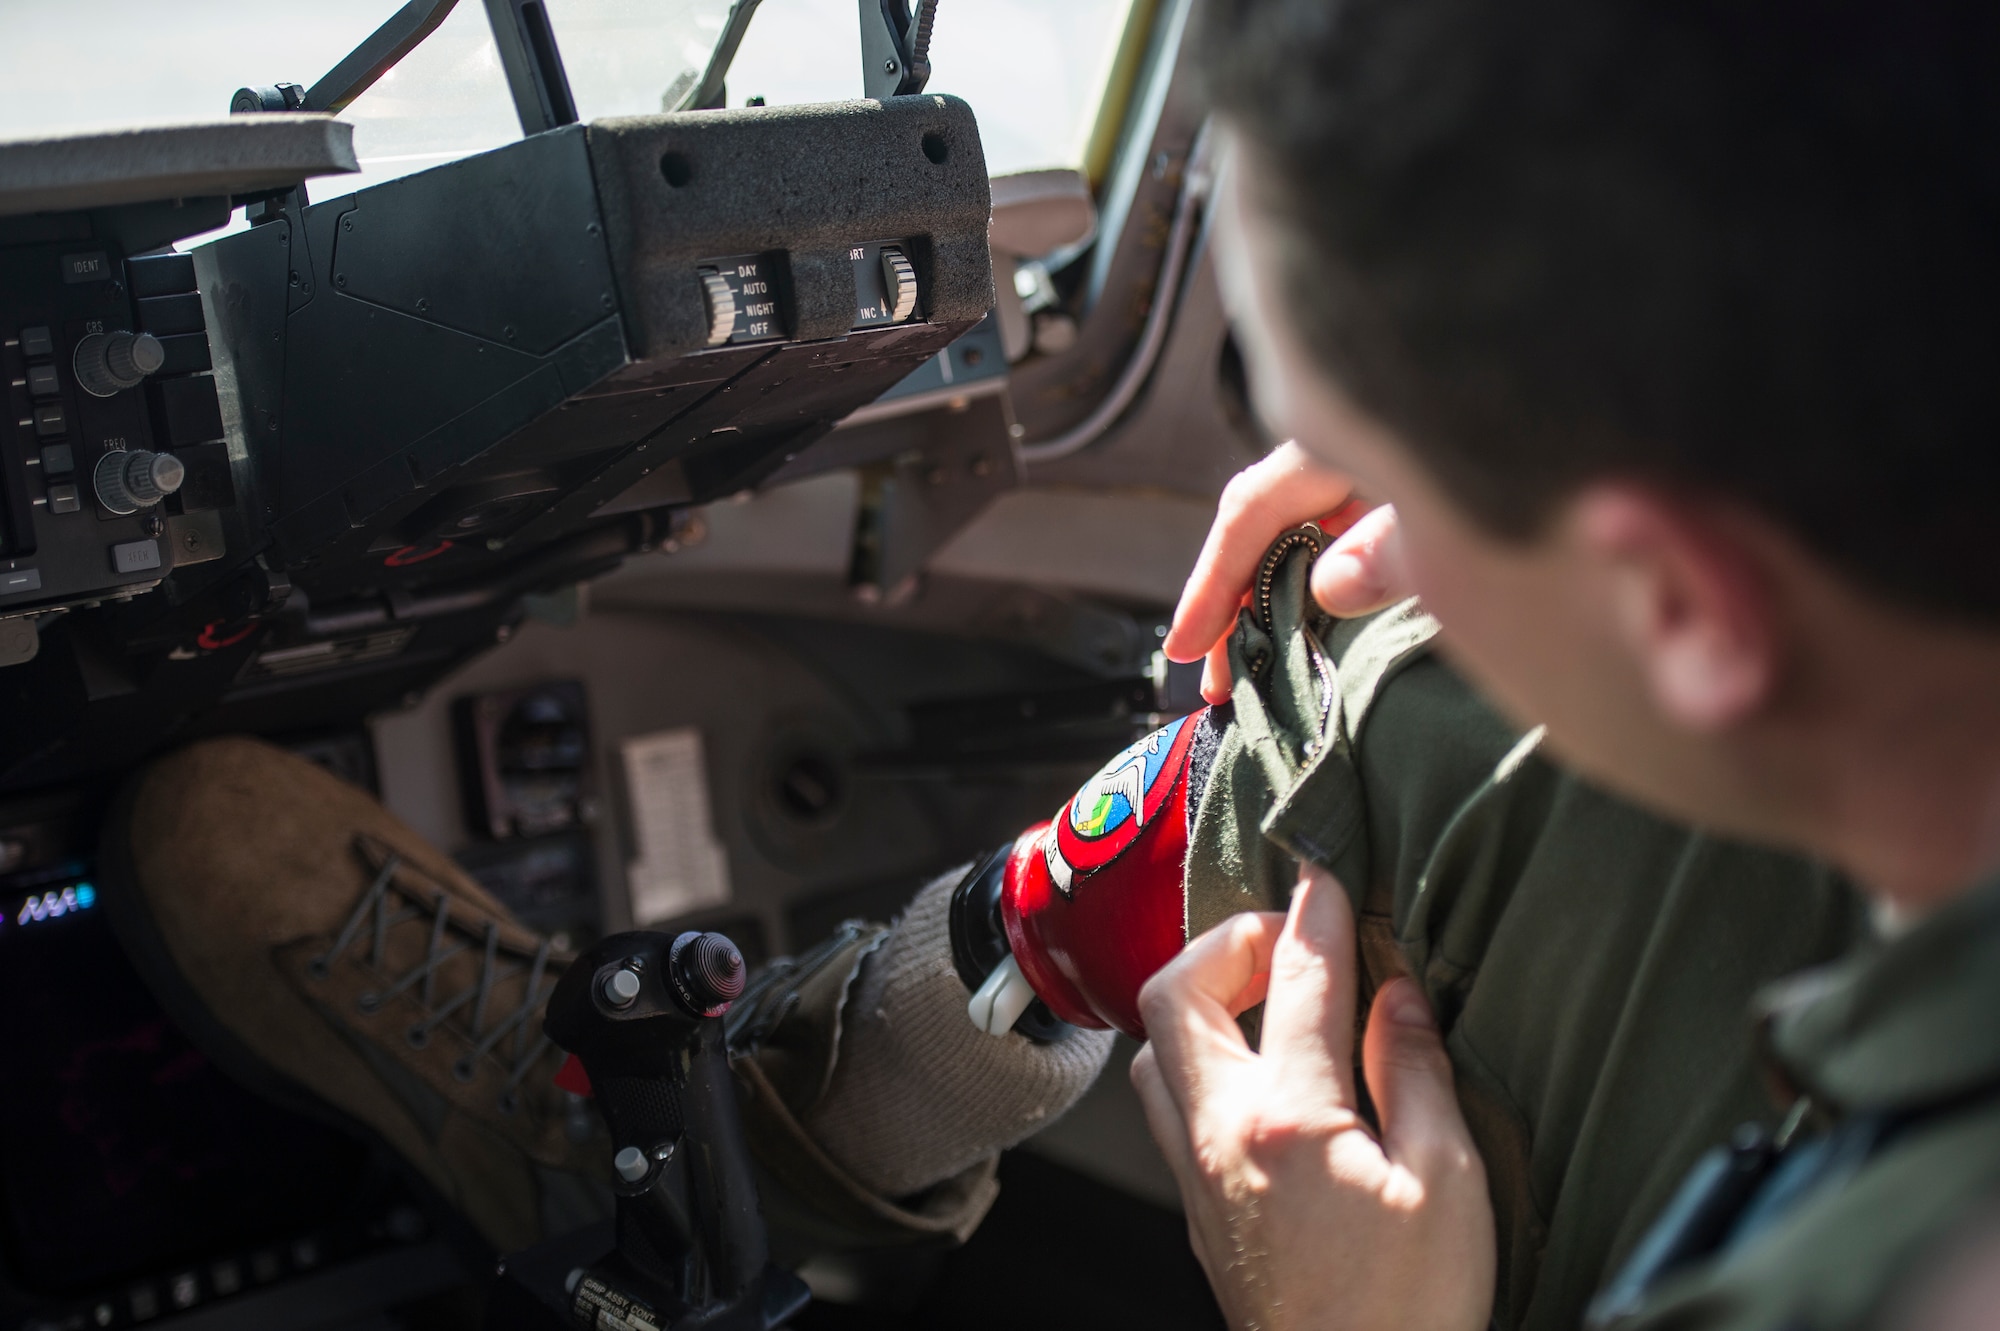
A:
[643,1012]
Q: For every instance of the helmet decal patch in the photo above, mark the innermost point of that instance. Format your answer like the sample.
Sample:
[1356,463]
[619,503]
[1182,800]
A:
[1115,805]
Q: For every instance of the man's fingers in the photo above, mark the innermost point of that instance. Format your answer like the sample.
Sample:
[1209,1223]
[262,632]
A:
[1309,1014]
[1283,490]
[1163,1117]
[1190,1005]
[1409,1076]
[1362,570]
[1337,523]
[1216,685]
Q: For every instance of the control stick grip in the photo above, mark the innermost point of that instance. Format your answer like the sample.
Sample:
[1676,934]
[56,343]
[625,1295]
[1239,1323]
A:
[643,1013]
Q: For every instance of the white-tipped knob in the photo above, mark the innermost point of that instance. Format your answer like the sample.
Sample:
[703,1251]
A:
[620,989]
[631,1164]
[1001,1000]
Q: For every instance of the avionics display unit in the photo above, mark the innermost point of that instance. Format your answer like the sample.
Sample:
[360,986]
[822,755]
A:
[436,375]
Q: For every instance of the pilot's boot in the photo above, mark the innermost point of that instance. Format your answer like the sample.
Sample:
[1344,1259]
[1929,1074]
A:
[307,939]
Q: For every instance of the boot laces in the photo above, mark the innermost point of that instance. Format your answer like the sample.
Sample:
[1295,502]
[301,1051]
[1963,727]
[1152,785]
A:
[392,900]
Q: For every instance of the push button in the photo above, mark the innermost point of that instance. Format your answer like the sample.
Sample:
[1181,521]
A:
[37,342]
[161,274]
[135,556]
[58,459]
[93,266]
[19,581]
[164,316]
[43,381]
[63,499]
[187,411]
[51,420]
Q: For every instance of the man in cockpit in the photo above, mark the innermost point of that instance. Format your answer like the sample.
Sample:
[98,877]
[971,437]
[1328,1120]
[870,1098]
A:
[1666,331]
[1593,298]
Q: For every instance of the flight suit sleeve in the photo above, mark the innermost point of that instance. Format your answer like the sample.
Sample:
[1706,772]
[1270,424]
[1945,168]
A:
[784,1038]
[1292,780]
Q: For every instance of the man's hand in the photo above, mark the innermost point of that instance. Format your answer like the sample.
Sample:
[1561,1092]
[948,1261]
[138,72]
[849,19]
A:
[1301,1216]
[1357,574]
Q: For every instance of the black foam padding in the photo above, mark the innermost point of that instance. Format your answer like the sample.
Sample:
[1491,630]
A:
[1208,732]
[909,168]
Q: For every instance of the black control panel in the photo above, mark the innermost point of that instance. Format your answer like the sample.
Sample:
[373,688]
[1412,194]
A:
[336,449]
[114,466]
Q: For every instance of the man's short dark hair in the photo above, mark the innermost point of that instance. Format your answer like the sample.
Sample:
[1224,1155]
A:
[1746,246]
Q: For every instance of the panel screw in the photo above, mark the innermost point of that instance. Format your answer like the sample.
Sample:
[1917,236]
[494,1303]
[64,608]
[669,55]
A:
[888,66]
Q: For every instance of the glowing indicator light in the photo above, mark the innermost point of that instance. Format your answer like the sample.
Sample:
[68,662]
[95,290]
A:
[55,905]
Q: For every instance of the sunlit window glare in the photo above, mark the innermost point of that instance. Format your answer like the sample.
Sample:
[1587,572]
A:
[1034,71]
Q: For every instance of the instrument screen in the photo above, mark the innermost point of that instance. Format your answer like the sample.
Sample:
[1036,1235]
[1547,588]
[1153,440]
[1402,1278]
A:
[125,1151]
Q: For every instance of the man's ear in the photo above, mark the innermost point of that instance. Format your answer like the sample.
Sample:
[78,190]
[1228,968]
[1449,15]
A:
[1690,598]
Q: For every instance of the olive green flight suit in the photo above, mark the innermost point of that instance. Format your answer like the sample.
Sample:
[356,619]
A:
[1591,966]
[1903,1033]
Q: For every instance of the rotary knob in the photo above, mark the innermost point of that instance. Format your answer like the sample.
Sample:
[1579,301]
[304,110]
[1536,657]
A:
[899,282]
[720,299]
[128,482]
[109,362]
